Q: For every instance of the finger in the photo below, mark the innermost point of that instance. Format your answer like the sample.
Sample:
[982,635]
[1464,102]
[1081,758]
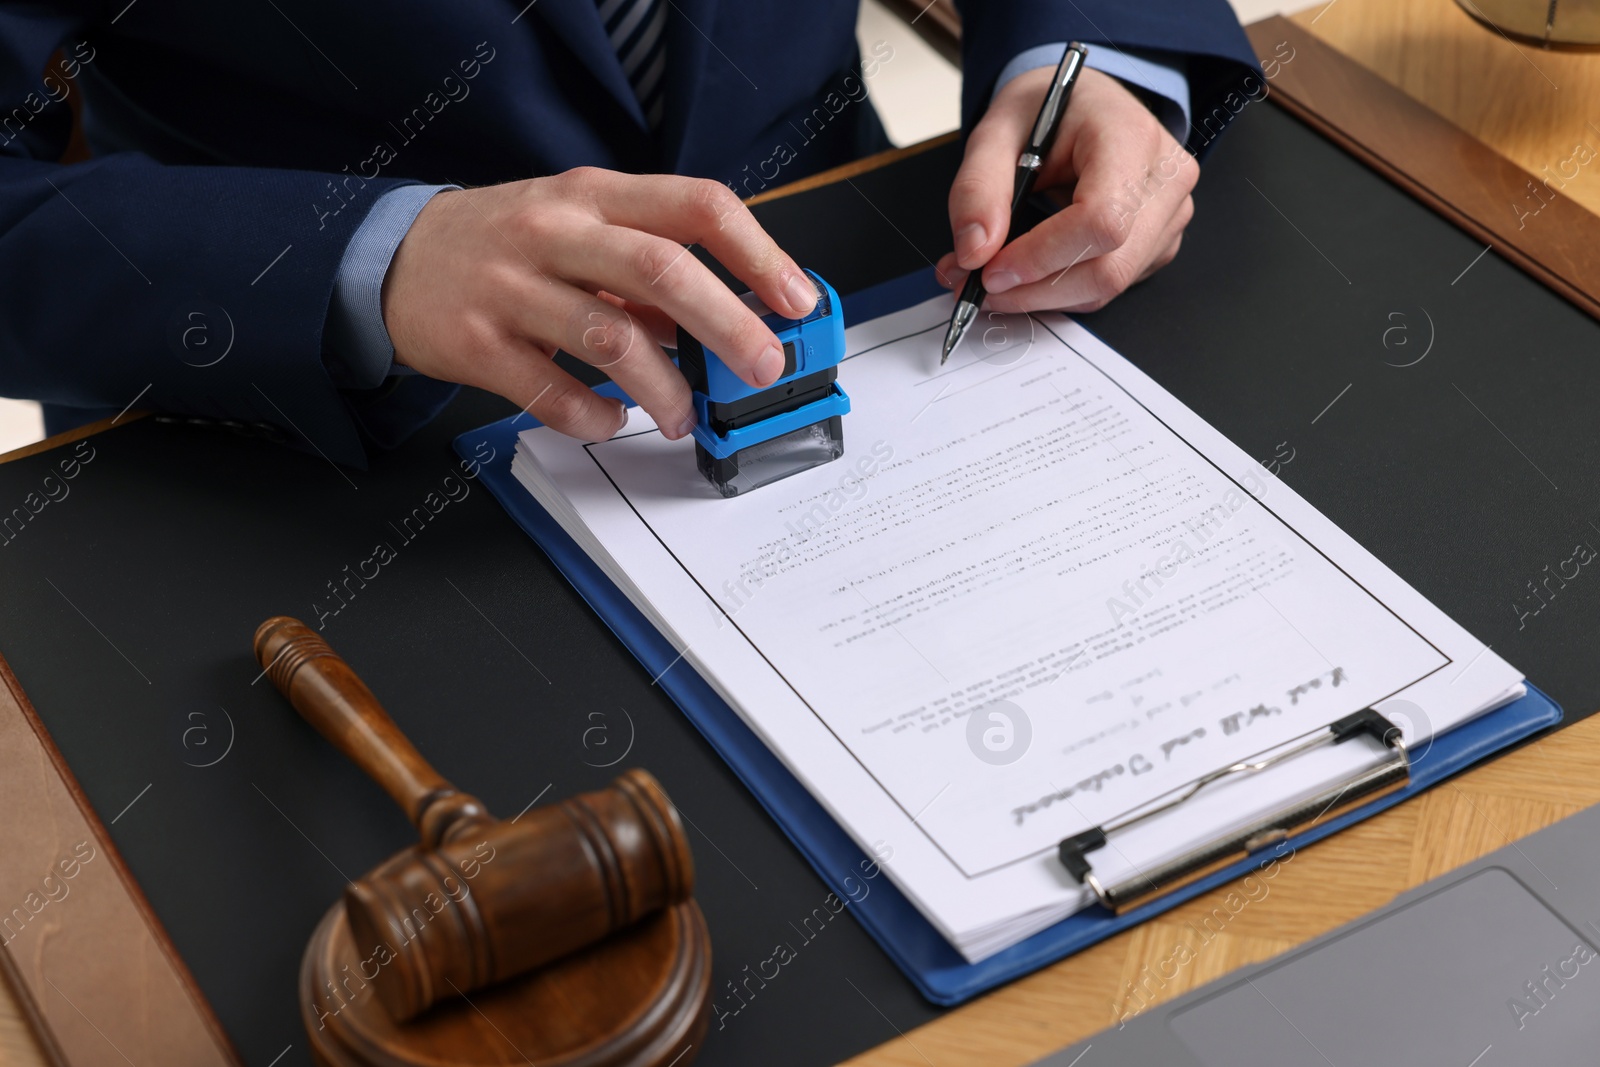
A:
[524,374]
[980,196]
[658,322]
[951,274]
[708,213]
[1109,209]
[1088,281]
[647,269]
[609,338]
[1086,286]
[1090,285]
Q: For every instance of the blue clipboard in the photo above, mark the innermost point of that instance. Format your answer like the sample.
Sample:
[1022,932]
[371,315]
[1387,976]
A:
[934,967]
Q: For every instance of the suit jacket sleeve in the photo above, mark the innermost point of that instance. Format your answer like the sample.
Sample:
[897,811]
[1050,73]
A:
[1205,33]
[197,290]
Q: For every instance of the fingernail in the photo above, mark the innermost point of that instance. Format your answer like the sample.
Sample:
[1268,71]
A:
[969,239]
[770,366]
[801,293]
[681,429]
[1000,281]
[622,417]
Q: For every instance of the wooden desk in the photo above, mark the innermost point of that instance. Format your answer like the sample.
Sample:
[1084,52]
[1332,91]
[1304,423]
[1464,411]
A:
[1332,882]
[18,1046]
[1534,106]
[1328,884]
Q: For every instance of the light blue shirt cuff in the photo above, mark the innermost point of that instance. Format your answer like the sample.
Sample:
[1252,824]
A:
[359,354]
[1164,77]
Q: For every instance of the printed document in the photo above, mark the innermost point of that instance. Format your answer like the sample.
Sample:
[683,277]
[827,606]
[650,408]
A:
[1034,593]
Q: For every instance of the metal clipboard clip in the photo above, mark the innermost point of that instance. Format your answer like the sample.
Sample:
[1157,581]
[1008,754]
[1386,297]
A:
[1393,773]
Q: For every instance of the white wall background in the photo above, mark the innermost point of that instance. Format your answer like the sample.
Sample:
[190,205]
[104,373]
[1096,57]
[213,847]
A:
[917,93]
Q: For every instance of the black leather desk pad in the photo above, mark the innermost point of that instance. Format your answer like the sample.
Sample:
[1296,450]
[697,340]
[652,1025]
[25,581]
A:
[176,541]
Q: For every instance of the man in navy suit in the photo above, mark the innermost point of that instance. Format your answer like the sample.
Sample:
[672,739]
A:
[317,215]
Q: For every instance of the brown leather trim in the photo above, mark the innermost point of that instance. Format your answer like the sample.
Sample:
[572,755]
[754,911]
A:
[66,437]
[84,952]
[1435,161]
[854,167]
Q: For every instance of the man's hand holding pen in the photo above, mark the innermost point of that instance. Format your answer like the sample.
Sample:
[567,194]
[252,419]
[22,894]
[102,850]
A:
[1130,201]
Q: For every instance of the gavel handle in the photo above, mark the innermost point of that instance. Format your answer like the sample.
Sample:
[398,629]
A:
[327,693]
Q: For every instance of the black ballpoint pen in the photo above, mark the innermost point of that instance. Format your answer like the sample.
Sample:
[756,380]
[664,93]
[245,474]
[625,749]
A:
[1028,164]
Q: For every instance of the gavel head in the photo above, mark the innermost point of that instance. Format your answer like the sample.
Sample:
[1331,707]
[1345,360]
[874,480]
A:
[500,898]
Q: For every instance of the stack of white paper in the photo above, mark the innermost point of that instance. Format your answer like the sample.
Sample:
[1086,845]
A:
[1036,592]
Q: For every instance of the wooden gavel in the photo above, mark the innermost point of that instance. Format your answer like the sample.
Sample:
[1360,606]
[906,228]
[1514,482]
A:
[478,900]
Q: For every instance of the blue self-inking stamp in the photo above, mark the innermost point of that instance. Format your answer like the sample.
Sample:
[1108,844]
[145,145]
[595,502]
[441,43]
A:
[747,437]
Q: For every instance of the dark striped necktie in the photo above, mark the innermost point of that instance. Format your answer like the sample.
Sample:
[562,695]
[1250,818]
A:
[637,29]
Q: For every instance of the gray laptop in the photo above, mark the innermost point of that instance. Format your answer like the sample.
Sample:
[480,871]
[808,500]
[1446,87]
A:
[1496,963]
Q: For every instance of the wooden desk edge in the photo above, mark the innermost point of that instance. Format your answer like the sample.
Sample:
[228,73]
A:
[200,1036]
[849,170]
[1432,159]
[67,437]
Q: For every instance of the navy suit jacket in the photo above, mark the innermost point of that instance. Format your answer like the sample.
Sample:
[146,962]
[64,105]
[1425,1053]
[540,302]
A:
[187,265]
